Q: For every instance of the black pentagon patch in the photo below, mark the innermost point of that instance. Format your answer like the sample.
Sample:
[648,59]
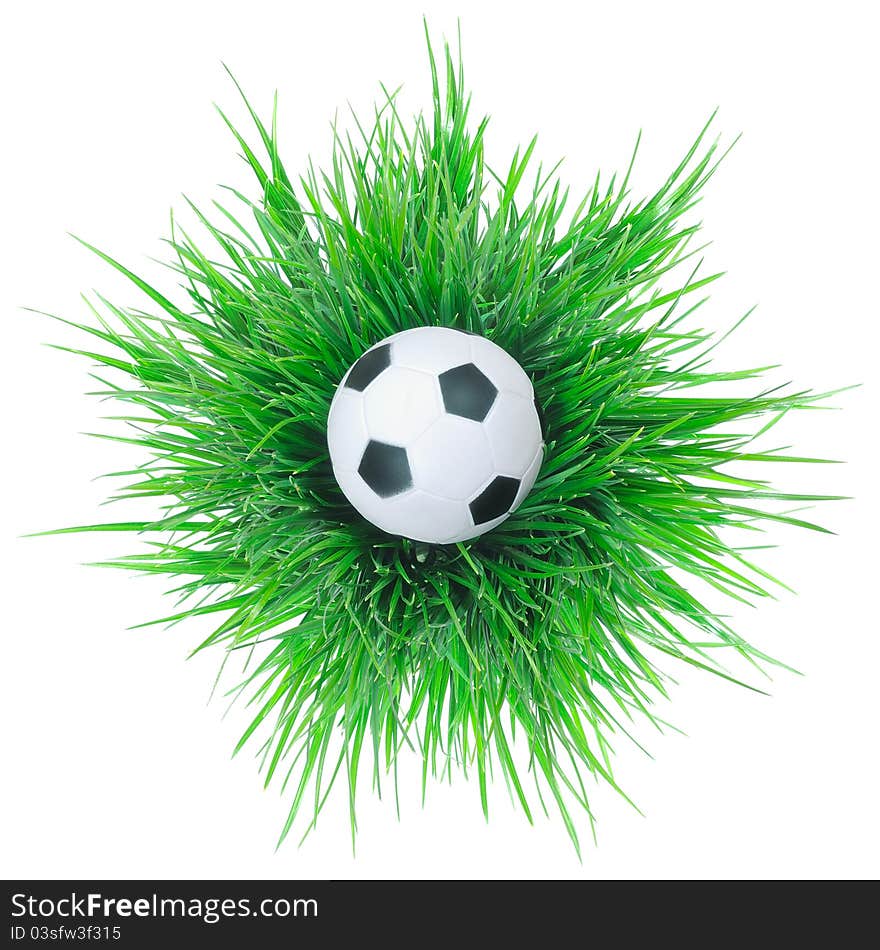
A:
[467,392]
[495,500]
[368,367]
[385,468]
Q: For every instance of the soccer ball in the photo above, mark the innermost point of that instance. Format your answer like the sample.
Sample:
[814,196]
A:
[434,435]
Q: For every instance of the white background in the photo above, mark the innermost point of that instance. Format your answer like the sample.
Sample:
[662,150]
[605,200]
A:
[114,763]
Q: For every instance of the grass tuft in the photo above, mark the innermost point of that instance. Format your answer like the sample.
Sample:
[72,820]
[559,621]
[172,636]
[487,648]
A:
[545,634]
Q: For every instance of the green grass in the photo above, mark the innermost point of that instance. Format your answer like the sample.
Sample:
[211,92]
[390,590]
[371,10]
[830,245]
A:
[542,636]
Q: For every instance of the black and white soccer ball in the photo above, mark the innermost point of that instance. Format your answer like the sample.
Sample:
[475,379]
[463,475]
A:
[434,435]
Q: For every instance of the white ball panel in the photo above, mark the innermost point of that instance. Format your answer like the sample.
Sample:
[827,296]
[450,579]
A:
[346,429]
[425,517]
[452,459]
[528,480]
[400,404]
[500,367]
[474,531]
[514,433]
[430,349]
